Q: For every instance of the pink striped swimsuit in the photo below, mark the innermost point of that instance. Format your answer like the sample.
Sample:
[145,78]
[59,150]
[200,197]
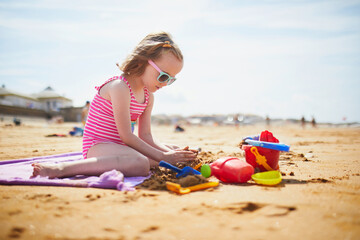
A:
[100,124]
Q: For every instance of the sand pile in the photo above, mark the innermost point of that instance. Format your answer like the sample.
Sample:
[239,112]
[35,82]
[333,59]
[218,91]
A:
[160,175]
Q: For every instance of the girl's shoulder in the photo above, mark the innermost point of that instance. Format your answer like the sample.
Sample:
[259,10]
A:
[115,86]
[108,81]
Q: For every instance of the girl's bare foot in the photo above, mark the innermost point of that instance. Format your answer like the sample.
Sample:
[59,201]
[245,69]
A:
[45,170]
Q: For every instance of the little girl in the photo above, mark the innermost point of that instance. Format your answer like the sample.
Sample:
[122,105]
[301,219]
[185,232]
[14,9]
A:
[109,142]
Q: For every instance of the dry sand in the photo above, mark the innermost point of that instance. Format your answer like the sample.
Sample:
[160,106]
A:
[319,197]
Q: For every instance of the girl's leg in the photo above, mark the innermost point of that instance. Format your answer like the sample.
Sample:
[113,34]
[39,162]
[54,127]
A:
[129,161]
[101,158]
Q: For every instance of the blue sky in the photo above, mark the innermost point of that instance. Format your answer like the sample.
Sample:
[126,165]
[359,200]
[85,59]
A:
[285,59]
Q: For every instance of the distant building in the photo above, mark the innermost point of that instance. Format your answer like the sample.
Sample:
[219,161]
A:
[47,100]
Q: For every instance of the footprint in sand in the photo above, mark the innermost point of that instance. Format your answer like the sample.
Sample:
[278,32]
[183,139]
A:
[109,230]
[276,211]
[267,210]
[42,197]
[16,232]
[14,212]
[150,229]
[240,208]
[93,197]
[319,180]
[129,196]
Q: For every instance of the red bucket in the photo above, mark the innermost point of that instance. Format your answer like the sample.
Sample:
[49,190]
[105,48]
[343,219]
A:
[272,156]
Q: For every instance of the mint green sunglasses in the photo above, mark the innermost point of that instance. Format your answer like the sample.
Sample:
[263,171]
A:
[163,76]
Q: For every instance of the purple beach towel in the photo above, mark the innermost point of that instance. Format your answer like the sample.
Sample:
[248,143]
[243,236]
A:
[18,172]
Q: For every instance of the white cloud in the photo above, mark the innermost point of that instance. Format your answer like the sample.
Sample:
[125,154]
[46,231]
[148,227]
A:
[311,15]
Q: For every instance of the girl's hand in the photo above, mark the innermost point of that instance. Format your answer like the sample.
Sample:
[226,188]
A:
[192,150]
[180,155]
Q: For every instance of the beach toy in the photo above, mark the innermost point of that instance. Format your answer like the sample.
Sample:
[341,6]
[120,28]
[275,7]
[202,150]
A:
[268,151]
[274,146]
[229,170]
[198,166]
[180,190]
[267,178]
[181,172]
[261,160]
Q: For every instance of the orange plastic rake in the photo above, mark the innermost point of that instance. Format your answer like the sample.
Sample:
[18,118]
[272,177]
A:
[180,190]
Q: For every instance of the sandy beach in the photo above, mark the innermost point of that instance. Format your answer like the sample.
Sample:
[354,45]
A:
[319,197]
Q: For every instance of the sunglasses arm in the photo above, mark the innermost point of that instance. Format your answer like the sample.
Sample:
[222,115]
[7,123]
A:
[154,65]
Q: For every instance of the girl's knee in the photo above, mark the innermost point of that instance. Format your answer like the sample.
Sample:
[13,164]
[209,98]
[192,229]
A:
[140,166]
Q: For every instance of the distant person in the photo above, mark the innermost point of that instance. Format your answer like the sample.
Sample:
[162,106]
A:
[303,122]
[76,132]
[313,122]
[84,112]
[178,128]
[17,121]
[236,120]
[48,117]
[109,142]
[267,119]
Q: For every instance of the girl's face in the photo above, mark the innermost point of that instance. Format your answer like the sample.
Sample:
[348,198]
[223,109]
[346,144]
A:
[167,63]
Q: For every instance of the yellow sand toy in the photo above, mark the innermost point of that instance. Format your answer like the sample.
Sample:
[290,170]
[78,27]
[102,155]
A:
[267,178]
[180,190]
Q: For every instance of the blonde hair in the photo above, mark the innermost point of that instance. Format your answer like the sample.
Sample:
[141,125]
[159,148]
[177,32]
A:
[151,47]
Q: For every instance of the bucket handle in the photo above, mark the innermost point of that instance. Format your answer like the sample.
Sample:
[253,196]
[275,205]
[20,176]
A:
[261,160]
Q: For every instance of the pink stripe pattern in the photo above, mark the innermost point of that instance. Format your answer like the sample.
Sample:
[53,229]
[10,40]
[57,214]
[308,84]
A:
[100,125]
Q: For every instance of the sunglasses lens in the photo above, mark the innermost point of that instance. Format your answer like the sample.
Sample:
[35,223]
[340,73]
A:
[171,81]
[163,78]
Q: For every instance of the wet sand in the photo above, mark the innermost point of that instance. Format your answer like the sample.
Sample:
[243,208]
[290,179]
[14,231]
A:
[319,197]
